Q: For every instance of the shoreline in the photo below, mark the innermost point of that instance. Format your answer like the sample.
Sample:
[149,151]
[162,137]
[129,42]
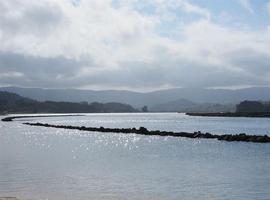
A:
[10,119]
[231,114]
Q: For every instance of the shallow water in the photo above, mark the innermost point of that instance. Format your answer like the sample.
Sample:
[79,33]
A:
[47,163]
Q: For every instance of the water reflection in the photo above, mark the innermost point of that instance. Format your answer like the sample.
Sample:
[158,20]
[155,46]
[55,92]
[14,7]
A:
[46,163]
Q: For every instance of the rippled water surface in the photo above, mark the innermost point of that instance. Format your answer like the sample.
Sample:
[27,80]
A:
[46,163]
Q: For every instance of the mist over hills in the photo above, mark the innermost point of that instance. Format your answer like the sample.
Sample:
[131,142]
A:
[151,99]
[183,105]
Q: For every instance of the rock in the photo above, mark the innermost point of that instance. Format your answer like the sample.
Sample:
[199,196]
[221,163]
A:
[143,130]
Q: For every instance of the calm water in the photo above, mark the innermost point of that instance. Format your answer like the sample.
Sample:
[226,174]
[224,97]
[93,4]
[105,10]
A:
[46,163]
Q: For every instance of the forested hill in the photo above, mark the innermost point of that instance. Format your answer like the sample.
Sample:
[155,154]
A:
[13,103]
[253,106]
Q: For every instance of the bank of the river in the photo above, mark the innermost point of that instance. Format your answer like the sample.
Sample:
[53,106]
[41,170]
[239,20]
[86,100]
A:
[9,119]
[230,114]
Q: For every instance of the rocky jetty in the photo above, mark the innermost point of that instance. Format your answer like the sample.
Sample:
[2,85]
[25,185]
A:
[143,131]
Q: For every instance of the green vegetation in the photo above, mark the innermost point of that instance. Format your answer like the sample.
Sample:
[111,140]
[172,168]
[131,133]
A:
[13,103]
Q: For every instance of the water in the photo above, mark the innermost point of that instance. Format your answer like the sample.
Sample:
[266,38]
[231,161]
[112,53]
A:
[46,163]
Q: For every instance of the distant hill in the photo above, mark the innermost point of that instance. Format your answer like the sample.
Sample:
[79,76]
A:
[73,95]
[213,96]
[183,105]
[172,106]
[253,107]
[211,108]
[150,99]
[13,103]
[10,102]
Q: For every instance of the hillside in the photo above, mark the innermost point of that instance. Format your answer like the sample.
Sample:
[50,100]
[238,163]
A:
[183,105]
[151,99]
[253,106]
[172,106]
[10,102]
[13,103]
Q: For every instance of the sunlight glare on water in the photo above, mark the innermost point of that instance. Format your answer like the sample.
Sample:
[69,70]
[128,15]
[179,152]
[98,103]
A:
[47,163]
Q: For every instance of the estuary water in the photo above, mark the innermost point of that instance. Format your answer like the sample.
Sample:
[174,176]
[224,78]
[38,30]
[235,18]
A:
[39,163]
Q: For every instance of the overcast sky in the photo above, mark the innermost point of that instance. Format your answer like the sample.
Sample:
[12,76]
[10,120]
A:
[134,44]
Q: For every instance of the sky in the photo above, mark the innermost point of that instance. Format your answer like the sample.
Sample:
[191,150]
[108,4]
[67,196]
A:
[137,45]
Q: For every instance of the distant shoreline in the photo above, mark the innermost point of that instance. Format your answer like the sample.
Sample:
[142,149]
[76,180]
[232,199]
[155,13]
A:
[10,119]
[231,114]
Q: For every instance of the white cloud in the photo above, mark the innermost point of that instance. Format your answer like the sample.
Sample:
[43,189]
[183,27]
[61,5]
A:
[96,43]
[268,7]
[196,9]
[247,5]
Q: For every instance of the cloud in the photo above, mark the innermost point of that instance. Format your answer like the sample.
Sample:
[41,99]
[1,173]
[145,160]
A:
[268,7]
[246,4]
[28,70]
[29,17]
[131,44]
[188,7]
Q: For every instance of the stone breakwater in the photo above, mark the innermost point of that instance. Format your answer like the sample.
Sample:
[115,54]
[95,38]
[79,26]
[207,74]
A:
[143,131]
